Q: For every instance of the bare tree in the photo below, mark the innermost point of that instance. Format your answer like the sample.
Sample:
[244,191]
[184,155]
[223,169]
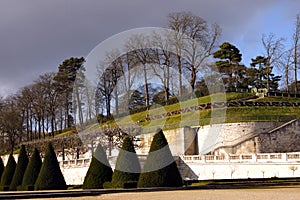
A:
[129,76]
[11,123]
[138,45]
[194,40]
[274,50]
[296,48]
[162,62]
[286,62]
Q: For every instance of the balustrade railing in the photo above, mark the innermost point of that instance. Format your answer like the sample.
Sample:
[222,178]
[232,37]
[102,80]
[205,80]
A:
[262,157]
[231,158]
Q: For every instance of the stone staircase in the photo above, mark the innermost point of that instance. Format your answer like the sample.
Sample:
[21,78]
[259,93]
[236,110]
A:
[243,138]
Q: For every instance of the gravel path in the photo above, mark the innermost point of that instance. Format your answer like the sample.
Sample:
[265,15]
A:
[232,194]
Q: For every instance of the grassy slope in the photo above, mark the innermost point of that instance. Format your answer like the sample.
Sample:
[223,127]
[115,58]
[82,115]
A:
[203,117]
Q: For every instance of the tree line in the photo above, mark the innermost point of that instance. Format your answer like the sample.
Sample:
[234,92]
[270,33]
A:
[184,61]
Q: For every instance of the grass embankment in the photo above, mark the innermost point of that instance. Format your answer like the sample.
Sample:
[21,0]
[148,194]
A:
[204,117]
[201,117]
[277,99]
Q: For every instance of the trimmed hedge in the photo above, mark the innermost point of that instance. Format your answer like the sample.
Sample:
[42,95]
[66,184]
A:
[99,171]
[1,167]
[20,169]
[160,169]
[32,171]
[8,173]
[50,176]
[127,168]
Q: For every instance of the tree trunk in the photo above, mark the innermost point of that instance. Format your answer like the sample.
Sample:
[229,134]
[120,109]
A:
[295,70]
[179,75]
[193,79]
[116,101]
[146,88]
[287,79]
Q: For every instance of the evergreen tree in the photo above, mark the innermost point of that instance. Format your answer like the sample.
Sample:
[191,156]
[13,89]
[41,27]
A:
[160,169]
[64,83]
[228,65]
[8,172]
[99,171]
[50,176]
[32,170]
[265,78]
[1,167]
[20,169]
[127,166]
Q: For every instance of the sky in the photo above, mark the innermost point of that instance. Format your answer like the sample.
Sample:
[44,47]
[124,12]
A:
[36,36]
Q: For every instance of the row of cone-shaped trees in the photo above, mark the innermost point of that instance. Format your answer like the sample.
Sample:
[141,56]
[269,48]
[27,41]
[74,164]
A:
[32,174]
[159,170]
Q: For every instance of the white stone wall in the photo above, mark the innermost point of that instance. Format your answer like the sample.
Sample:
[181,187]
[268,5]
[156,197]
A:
[174,137]
[208,171]
[211,137]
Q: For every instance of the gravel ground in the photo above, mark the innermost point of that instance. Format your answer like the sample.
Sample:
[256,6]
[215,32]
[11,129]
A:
[232,194]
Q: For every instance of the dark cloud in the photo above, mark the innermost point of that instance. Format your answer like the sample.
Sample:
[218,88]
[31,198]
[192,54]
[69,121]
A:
[36,36]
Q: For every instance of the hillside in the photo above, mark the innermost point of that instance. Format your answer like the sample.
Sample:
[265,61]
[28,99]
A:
[180,114]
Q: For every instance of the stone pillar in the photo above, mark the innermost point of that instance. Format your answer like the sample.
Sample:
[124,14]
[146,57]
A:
[284,157]
[254,157]
[190,141]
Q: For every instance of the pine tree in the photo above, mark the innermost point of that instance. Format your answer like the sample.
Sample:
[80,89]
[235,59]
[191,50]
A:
[20,169]
[228,64]
[99,171]
[50,176]
[160,169]
[32,171]
[127,166]
[8,173]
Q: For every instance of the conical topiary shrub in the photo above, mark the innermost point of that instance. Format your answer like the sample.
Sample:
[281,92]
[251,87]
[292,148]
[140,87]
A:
[127,168]
[160,169]
[32,171]
[99,170]
[50,176]
[20,169]
[8,173]
[1,167]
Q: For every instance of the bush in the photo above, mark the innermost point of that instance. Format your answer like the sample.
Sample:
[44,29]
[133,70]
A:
[127,167]
[99,171]
[8,173]
[157,172]
[107,185]
[1,167]
[50,176]
[32,170]
[20,169]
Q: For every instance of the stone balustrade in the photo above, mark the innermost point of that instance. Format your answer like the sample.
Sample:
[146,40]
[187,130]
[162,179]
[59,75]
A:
[82,162]
[244,158]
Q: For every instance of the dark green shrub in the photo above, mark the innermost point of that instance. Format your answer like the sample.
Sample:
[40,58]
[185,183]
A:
[20,169]
[50,176]
[1,167]
[127,166]
[8,173]
[160,169]
[130,184]
[99,171]
[32,170]
[4,188]
[107,185]
[26,188]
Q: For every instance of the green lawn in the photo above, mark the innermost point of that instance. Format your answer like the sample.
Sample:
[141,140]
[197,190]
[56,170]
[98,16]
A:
[203,117]
[278,99]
